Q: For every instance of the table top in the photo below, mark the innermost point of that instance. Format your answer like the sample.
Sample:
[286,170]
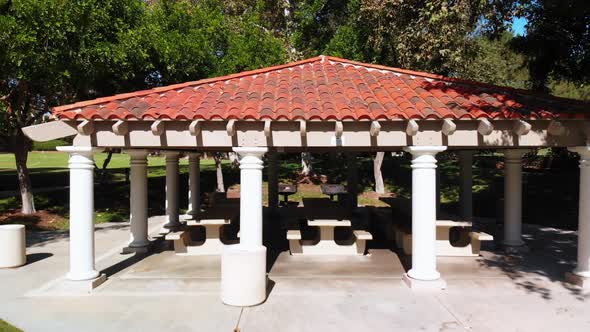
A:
[287,188]
[333,189]
[452,223]
[329,222]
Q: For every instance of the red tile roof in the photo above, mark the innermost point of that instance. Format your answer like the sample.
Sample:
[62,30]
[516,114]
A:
[326,88]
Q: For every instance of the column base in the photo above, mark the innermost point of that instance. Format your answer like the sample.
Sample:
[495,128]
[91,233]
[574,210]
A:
[243,275]
[516,249]
[82,286]
[135,250]
[578,280]
[424,285]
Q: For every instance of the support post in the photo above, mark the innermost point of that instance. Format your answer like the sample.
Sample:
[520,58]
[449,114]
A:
[81,164]
[138,201]
[513,201]
[352,181]
[466,185]
[243,266]
[273,181]
[194,183]
[172,209]
[581,274]
[423,274]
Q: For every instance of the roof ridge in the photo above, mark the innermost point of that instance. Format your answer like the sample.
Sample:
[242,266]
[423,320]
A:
[166,88]
[453,79]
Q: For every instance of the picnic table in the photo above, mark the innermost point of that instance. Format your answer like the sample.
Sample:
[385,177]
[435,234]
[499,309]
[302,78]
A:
[212,221]
[333,190]
[286,190]
[326,215]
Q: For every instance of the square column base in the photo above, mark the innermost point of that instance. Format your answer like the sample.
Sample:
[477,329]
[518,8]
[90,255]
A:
[135,250]
[572,278]
[424,285]
[66,286]
[516,250]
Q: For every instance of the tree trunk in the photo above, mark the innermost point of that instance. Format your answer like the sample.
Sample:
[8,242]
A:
[220,186]
[306,160]
[377,162]
[21,152]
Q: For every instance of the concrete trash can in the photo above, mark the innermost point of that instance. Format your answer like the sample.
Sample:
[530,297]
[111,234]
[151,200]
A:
[12,246]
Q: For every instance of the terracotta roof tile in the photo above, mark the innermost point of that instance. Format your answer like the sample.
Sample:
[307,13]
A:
[326,88]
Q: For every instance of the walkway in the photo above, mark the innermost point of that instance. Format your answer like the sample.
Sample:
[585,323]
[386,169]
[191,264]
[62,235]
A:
[158,293]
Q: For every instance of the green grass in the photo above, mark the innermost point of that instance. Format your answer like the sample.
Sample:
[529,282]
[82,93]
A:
[5,327]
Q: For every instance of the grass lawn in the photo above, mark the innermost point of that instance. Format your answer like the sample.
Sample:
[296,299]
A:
[543,190]
[5,327]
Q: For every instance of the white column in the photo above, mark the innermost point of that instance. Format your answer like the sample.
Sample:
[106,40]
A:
[581,274]
[513,200]
[273,181]
[138,200]
[81,166]
[437,197]
[466,185]
[423,273]
[243,266]
[172,209]
[194,180]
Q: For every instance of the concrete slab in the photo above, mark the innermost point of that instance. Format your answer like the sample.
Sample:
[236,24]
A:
[169,265]
[382,263]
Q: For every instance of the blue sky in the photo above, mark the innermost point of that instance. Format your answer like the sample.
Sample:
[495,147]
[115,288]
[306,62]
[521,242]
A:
[518,26]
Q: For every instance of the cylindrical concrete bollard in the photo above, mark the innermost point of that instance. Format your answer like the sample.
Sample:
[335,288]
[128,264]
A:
[243,275]
[12,246]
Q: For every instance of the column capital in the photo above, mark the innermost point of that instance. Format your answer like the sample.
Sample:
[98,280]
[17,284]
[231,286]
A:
[193,156]
[424,150]
[514,153]
[583,151]
[87,151]
[171,156]
[137,153]
[250,151]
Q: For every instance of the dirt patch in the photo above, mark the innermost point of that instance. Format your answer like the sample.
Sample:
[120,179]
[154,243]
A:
[42,220]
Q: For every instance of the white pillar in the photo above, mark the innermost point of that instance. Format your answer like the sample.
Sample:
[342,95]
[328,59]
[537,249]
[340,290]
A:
[172,209]
[273,181]
[194,180]
[81,166]
[581,274]
[423,273]
[513,200]
[138,201]
[466,185]
[437,174]
[243,266]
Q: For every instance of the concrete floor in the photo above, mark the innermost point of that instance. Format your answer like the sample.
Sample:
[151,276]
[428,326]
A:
[163,291]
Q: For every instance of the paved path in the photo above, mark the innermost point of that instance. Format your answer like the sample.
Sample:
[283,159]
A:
[495,293]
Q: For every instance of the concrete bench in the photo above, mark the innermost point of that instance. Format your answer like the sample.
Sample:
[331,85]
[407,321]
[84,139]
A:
[468,243]
[213,221]
[325,244]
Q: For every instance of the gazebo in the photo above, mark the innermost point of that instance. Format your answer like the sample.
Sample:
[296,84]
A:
[318,104]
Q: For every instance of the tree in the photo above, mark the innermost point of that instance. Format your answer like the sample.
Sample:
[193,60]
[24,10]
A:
[218,157]
[377,162]
[557,42]
[47,50]
[53,52]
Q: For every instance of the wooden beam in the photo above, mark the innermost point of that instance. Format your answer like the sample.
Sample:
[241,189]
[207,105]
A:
[302,128]
[485,127]
[121,128]
[412,128]
[267,128]
[375,128]
[195,127]
[556,128]
[86,127]
[157,128]
[231,127]
[338,129]
[448,127]
[521,127]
